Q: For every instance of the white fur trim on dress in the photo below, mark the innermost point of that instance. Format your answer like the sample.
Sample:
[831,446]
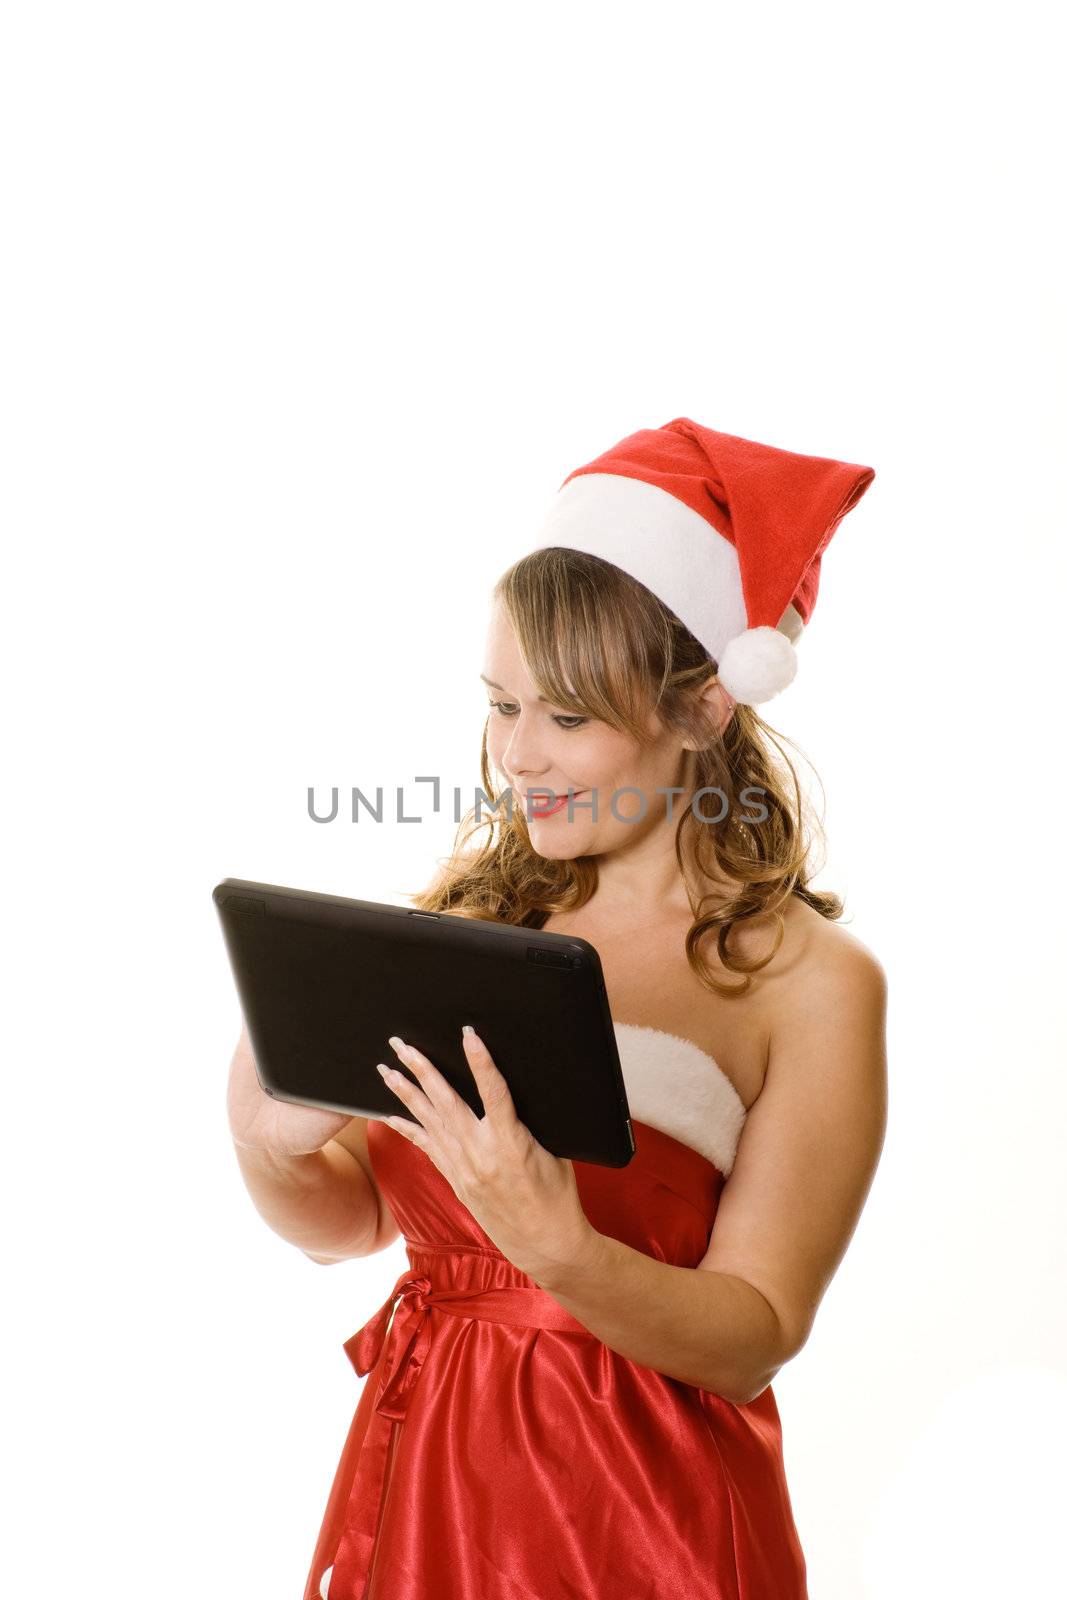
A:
[674,1086]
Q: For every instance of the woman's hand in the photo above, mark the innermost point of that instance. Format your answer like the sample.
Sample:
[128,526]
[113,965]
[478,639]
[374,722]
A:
[277,1129]
[525,1198]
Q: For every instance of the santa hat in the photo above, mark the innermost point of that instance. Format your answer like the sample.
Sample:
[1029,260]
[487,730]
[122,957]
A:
[726,532]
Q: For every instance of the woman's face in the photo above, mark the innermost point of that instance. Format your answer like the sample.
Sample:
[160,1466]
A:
[536,747]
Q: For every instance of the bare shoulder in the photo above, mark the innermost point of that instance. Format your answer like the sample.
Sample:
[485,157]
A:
[834,952]
[826,1021]
[818,961]
[833,970]
[823,983]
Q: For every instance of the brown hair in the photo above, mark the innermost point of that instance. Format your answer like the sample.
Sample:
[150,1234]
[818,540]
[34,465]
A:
[599,643]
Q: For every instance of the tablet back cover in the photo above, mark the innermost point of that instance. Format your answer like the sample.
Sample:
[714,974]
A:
[324,980]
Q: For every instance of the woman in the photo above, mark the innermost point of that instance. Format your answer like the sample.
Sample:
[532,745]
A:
[573,1395]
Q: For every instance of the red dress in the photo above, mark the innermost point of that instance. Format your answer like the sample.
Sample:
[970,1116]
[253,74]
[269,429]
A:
[499,1451]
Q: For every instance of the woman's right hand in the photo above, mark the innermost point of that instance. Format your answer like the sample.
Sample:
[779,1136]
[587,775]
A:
[275,1128]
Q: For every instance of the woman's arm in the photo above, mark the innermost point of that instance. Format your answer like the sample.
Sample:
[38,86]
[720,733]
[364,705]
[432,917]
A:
[308,1171]
[322,1202]
[804,1166]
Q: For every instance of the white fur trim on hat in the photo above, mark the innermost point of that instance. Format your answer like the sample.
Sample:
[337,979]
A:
[681,558]
[660,541]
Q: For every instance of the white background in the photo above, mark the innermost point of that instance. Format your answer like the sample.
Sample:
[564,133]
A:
[308,311]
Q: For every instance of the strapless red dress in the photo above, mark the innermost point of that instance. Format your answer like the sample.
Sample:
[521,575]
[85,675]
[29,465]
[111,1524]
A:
[499,1451]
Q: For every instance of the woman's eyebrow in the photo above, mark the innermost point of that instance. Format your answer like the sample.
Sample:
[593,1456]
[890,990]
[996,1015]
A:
[500,686]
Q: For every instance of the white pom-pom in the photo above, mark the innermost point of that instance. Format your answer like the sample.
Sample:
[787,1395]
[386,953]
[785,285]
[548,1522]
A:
[756,665]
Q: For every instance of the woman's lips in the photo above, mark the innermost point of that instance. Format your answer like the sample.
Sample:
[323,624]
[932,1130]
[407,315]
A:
[543,808]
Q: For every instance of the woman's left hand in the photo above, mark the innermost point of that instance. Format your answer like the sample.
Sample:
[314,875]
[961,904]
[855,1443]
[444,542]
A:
[525,1198]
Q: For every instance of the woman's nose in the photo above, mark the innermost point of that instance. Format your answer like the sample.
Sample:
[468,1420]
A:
[521,757]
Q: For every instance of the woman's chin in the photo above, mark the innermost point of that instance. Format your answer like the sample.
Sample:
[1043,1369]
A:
[554,848]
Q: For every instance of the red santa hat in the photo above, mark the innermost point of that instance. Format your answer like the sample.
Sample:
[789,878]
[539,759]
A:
[726,532]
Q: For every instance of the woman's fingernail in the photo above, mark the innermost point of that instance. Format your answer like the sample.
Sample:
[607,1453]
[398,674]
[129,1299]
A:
[384,1070]
[399,1046]
[468,1029]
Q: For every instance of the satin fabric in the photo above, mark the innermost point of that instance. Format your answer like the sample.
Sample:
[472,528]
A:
[499,1451]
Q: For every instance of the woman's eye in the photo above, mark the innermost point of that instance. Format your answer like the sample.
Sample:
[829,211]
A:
[507,709]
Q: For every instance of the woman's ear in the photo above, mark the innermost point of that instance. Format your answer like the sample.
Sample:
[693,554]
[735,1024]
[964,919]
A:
[718,707]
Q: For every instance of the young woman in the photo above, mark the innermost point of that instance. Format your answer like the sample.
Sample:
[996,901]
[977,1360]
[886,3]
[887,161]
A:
[569,1389]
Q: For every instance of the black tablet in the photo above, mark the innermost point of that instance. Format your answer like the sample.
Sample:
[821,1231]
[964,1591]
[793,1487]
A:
[323,981]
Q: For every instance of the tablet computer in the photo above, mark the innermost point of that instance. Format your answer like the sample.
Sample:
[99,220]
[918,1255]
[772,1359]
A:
[324,980]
